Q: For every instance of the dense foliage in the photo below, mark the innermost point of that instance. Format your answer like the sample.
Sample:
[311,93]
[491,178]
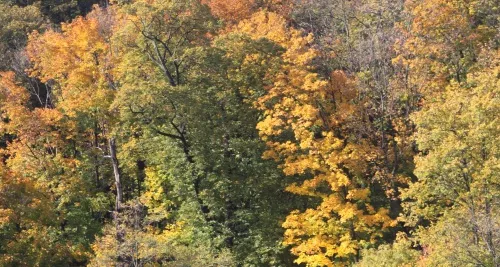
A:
[250,133]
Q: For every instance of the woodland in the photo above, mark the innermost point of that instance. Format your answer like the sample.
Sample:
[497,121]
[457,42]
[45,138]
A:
[250,133]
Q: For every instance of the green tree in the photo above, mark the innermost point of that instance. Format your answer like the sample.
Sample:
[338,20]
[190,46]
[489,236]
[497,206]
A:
[185,103]
[453,62]
[457,189]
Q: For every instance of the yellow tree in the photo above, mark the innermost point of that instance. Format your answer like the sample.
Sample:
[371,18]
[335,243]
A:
[452,55]
[457,188]
[80,61]
[309,127]
[42,171]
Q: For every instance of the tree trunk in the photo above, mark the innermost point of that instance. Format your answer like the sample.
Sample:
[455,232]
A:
[116,170]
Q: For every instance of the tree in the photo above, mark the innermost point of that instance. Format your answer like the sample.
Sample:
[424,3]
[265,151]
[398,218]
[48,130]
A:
[17,23]
[234,11]
[457,174]
[84,79]
[41,162]
[306,128]
[363,39]
[452,202]
[400,253]
[249,133]
[210,159]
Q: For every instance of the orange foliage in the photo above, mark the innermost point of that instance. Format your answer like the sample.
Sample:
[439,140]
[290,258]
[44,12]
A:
[79,59]
[232,10]
[306,127]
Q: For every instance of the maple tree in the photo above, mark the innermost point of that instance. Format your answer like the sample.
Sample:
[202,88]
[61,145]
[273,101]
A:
[305,125]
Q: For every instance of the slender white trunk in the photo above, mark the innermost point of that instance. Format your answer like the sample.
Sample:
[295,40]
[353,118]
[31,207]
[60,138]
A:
[116,170]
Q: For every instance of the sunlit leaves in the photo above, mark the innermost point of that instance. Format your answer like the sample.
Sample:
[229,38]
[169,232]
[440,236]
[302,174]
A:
[304,122]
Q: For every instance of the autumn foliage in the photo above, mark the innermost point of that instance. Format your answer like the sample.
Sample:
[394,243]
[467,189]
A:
[250,133]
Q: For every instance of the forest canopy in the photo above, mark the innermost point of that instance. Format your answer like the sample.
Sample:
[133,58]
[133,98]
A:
[249,133]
